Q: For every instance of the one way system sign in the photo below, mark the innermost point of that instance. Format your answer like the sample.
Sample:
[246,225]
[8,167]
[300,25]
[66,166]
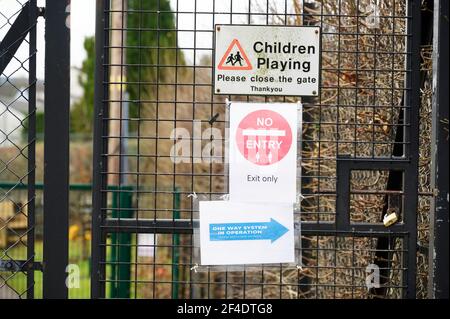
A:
[263,151]
[267,60]
[233,233]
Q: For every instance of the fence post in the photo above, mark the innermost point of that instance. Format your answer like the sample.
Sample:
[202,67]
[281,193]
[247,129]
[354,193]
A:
[56,149]
[439,221]
[31,218]
[121,247]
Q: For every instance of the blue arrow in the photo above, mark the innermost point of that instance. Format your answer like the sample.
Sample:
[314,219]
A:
[247,231]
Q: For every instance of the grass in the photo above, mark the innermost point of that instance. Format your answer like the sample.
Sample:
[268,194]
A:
[17,281]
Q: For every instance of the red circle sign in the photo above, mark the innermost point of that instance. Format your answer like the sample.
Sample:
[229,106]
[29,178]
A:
[264,137]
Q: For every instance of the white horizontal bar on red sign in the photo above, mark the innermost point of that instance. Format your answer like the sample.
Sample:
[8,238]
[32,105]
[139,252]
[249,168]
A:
[250,132]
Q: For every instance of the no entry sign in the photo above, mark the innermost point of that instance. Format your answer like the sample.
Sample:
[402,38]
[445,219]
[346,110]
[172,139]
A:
[264,137]
[233,233]
[267,60]
[263,152]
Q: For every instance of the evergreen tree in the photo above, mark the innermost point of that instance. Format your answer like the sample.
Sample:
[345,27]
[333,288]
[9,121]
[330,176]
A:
[149,37]
[82,113]
[151,42]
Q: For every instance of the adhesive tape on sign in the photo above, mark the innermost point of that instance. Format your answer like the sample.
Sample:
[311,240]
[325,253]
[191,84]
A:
[264,137]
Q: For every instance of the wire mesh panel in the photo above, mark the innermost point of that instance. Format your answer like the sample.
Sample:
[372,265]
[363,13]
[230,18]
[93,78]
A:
[17,147]
[160,134]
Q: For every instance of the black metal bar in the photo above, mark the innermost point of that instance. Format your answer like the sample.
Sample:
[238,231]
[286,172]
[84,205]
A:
[395,183]
[21,265]
[308,102]
[369,164]
[98,254]
[16,34]
[354,227]
[412,135]
[56,149]
[31,147]
[151,226]
[186,226]
[439,263]
[343,194]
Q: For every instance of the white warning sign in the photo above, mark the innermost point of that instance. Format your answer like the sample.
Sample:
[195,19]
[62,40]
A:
[263,152]
[267,60]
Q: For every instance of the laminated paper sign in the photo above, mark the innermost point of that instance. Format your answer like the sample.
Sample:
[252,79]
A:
[263,152]
[234,233]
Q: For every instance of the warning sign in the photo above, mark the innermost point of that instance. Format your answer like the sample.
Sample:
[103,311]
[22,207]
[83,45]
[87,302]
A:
[263,152]
[264,137]
[235,58]
[267,60]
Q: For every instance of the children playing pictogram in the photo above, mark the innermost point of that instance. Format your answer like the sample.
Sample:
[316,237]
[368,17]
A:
[233,59]
[238,58]
[230,59]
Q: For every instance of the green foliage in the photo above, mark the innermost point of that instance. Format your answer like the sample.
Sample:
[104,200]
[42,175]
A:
[82,113]
[147,31]
[151,41]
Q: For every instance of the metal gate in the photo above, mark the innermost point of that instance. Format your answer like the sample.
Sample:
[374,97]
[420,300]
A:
[17,216]
[28,235]
[359,149]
